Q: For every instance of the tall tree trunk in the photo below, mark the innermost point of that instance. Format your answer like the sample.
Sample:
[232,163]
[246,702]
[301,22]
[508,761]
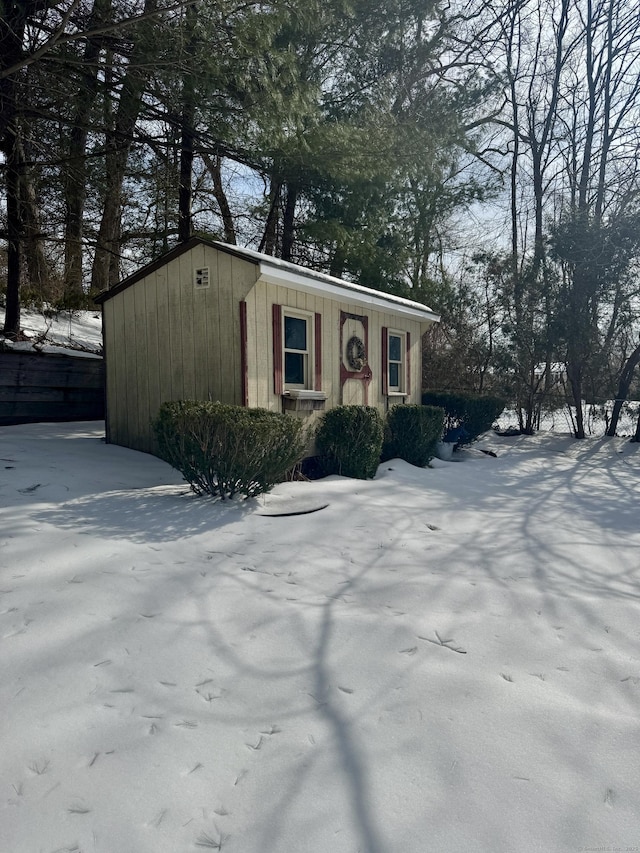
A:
[288,222]
[580,337]
[574,375]
[14,232]
[338,260]
[12,28]
[33,251]
[624,387]
[269,237]
[185,226]
[106,262]
[214,165]
[187,131]
[23,231]
[74,174]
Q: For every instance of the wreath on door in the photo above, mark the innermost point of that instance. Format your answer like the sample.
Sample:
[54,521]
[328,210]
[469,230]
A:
[356,353]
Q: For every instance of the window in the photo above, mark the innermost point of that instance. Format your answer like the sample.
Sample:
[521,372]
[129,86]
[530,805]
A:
[297,350]
[297,341]
[395,362]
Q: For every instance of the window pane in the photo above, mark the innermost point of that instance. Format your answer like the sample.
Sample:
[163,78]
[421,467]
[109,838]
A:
[295,333]
[294,368]
[394,375]
[395,348]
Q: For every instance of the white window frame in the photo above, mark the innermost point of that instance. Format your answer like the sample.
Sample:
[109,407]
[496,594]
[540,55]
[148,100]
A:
[401,387]
[308,354]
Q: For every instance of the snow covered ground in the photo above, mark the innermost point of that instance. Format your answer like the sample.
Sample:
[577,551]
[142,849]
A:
[72,332]
[440,660]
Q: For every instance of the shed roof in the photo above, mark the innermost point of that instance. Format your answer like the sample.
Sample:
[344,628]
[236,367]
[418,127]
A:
[277,271]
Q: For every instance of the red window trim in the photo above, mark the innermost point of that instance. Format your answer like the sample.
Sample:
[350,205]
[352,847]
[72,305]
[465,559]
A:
[244,367]
[385,360]
[278,385]
[317,351]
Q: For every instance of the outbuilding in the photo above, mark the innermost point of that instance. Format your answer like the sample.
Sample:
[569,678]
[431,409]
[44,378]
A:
[210,321]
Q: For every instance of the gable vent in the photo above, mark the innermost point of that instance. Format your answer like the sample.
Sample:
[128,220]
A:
[201,278]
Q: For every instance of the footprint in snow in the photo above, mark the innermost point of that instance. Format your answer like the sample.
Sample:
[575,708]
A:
[157,820]
[241,775]
[29,489]
[78,808]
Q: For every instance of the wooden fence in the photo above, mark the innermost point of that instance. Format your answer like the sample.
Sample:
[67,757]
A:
[49,387]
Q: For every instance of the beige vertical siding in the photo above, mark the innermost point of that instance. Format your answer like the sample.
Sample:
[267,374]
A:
[110,347]
[165,340]
[183,365]
[260,302]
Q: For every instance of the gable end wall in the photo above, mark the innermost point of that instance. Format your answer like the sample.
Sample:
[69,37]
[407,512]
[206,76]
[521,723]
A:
[165,340]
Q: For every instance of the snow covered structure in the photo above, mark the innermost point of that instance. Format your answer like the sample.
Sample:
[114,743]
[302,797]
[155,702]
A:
[55,372]
[211,321]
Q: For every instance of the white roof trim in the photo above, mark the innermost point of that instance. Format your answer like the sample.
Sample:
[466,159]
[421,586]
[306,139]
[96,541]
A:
[285,274]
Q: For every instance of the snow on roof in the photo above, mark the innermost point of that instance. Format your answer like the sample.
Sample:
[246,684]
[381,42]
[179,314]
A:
[277,271]
[281,272]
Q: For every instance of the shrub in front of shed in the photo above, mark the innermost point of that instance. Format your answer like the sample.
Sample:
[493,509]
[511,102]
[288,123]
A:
[349,441]
[412,433]
[469,415]
[224,450]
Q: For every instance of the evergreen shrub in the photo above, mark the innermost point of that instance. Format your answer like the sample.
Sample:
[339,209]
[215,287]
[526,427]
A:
[349,441]
[225,450]
[412,433]
[466,415]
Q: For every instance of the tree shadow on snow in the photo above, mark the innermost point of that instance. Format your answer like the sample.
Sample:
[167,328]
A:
[156,514]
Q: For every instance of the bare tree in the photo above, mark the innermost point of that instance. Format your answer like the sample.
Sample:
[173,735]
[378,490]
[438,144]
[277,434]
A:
[596,236]
[572,86]
[532,54]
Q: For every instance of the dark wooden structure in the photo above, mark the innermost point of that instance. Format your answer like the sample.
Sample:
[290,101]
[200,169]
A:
[37,387]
